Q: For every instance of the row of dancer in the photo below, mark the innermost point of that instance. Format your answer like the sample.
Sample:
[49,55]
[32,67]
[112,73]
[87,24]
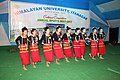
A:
[59,45]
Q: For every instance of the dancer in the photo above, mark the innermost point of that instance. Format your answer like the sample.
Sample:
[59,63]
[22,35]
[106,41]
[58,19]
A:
[66,44]
[83,38]
[101,46]
[57,44]
[47,46]
[76,46]
[93,45]
[22,43]
[34,50]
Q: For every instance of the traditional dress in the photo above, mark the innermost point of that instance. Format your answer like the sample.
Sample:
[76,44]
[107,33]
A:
[76,45]
[23,50]
[57,46]
[47,48]
[34,50]
[66,46]
[93,45]
[101,46]
[82,43]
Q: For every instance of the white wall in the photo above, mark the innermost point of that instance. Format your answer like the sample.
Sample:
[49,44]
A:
[3,37]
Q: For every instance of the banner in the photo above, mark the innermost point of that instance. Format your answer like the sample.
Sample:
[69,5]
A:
[39,16]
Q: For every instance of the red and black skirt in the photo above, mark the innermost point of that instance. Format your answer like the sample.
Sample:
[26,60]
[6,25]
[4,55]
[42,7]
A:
[67,49]
[48,53]
[82,47]
[58,50]
[94,48]
[101,47]
[76,47]
[35,55]
[24,55]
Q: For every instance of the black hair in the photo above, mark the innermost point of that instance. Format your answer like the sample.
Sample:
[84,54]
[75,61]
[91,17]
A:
[68,28]
[33,30]
[93,28]
[46,28]
[77,29]
[24,28]
[99,28]
[82,29]
[58,28]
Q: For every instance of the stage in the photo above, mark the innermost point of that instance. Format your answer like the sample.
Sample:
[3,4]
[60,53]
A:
[107,69]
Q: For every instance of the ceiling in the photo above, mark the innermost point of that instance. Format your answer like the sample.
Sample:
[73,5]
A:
[111,11]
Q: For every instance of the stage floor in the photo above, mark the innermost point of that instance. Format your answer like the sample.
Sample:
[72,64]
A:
[107,69]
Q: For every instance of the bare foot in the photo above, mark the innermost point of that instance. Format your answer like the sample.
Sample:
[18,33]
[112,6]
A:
[47,65]
[76,60]
[57,63]
[83,59]
[101,58]
[98,55]
[24,68]
[34,66]
[67,60]
[48,62]
[94,58]
[90,54]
